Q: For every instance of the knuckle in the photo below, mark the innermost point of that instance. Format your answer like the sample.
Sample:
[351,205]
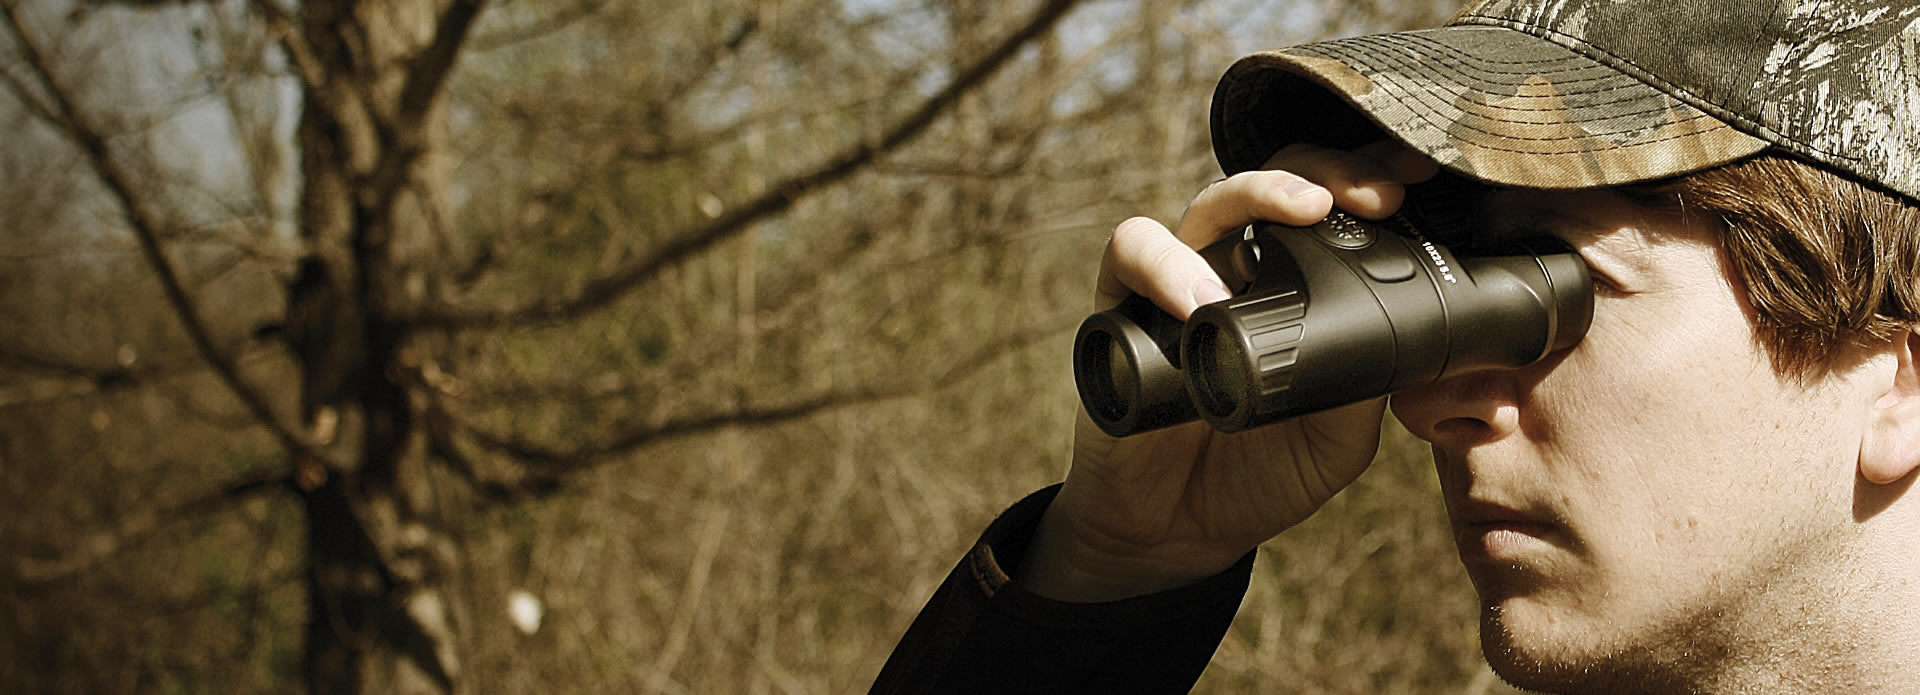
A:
[1328,166]
[1130,235]
[1137,243]
[1162,257]
[1302,156]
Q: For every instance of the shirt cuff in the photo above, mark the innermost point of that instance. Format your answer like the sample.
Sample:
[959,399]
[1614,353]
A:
[1004,544]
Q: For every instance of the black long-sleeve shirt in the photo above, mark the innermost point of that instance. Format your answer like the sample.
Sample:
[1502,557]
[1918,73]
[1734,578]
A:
[983,633]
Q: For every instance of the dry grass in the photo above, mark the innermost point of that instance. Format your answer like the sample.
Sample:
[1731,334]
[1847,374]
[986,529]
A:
[780,559]
[783,559]
[790,561]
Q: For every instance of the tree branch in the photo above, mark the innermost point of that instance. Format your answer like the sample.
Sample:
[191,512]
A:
[60,377]
[426,78]
[120,185]
[103,378]
[427,71]
[779,198]
[307,68]
[547,469]
[34,572]
[562,19]
[442,447]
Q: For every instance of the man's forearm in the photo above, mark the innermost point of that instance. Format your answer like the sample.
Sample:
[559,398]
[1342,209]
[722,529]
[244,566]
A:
[982,632]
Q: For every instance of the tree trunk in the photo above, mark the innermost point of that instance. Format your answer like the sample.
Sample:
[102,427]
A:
[380,567]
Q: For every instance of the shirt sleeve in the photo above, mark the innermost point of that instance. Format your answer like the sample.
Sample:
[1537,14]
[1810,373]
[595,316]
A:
[983,633]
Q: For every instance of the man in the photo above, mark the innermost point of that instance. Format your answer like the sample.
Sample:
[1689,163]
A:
[1710,493]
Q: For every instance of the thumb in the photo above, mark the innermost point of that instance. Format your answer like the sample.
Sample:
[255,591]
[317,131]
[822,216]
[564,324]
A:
[1144,258]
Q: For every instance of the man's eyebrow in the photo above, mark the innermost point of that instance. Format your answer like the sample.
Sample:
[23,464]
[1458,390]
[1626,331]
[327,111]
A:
[1501,213]
[1623,250]
[1512,213]
[1653,195]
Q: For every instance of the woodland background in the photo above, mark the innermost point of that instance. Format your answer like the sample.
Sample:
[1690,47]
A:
[718,330]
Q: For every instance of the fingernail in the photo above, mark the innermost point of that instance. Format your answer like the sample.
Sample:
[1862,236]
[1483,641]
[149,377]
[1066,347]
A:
[1300,187]
[1209,291]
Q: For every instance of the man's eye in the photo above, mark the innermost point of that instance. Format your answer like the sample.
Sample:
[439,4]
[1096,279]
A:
[1603,285]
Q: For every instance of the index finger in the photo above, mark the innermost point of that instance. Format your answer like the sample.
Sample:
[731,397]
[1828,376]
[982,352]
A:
[1243,198]
[1302,183]
[1143,257]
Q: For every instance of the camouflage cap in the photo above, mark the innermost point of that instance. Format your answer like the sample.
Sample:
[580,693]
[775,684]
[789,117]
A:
[1586,93]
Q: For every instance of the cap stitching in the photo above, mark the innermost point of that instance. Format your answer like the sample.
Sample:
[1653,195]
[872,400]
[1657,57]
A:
[1253,135]
[1415,97]
[1579,63]
[1631,68]
[1359,58]
[1491,108]
[1426,112]
[1584,63]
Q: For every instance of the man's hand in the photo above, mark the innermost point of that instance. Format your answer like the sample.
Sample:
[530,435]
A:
[1163,509]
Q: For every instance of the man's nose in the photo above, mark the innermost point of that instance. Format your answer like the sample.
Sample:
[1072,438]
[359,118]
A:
[1464,410]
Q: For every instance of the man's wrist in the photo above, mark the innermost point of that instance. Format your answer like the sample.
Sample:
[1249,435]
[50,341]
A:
[1057,567]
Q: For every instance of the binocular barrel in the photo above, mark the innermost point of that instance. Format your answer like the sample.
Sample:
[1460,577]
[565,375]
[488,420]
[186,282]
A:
[1322,316]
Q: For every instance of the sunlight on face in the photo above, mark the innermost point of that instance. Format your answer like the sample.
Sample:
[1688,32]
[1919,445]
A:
[1655,493]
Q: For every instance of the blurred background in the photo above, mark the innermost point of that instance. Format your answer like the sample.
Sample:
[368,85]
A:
[423,346]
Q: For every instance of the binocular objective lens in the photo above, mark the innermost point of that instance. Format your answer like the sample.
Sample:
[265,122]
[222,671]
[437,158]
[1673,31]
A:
[1109,376]
[1218,367]
[1124,382]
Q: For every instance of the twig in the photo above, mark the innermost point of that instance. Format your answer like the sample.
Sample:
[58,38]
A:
[119,183]
[312,75]
[426,78]
[783,195]
[562,19]
[34,572]
[548,467]
[706,547]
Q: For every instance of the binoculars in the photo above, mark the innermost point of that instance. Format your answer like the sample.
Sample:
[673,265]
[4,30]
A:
[1322,316]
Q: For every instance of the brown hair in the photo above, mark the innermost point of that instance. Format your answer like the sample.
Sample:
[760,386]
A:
[1827,262]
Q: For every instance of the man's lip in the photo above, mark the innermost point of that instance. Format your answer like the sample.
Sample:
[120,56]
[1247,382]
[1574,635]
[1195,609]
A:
[1504,534]
[1484,513]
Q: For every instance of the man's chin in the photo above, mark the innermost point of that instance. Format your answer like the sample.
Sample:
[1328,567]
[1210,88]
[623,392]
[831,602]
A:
[1518,666]
[1533,649]
[1543,630]
[1537,655]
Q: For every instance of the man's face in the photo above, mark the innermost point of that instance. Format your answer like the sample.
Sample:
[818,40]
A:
[1635,507]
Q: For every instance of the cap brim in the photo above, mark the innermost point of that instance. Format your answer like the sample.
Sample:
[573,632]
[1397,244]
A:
[1489,103]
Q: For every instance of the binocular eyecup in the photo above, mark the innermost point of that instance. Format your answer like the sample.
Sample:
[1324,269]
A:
[1327,315]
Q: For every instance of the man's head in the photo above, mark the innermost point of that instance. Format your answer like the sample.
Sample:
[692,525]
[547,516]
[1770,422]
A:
[1711,489]
[1827,262]
[1795,123]
[1661,507]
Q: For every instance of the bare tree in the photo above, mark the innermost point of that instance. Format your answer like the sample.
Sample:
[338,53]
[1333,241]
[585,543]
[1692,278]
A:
[717,326]
[374,305]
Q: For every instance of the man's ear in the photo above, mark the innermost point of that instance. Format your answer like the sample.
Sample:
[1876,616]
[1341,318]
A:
[1891,449]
